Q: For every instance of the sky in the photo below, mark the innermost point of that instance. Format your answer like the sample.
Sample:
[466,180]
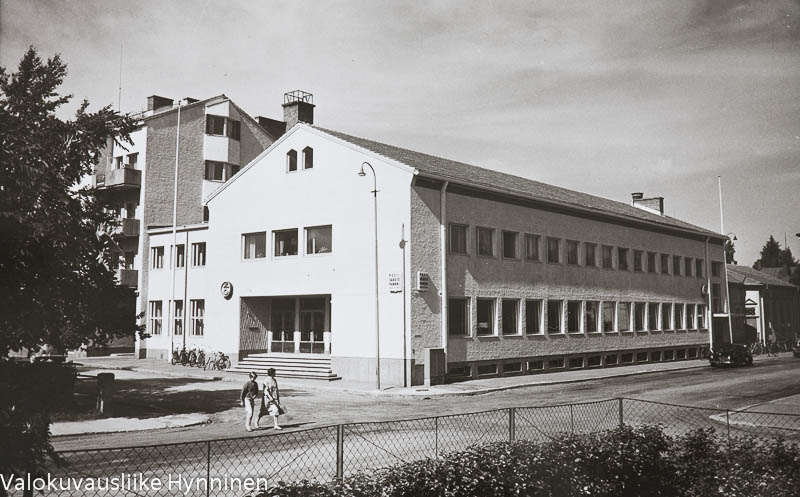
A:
[605,97]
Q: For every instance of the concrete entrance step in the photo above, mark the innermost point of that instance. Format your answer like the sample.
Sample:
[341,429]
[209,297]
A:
[288,366]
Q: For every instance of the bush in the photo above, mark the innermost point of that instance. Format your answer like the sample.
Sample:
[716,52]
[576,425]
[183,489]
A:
[627,462]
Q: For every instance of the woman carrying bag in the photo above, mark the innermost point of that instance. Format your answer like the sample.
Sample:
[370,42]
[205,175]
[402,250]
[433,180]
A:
[271,401]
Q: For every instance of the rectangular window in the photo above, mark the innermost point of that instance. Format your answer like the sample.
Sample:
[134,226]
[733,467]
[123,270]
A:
[576,362]
[485,317]
[655,356]
[255,245]
[234,130]
[285,242]
[198,314]
[678,313]
[611,359]
[690,317]
[155,317]
[485,242]
[716,298]
[664,263]
[133,159]
[651,262]
[157,257]
[512,367]
[533,317]
[594,361]
[699,269]
[638,264]
[180,256]
[691,353]
[652,316]
[510,310]
[608,257]
[622,256]
[319,240]
[590,317]
[487,369]
[199,254]
[555,363]
[627,358]
[118,162]
[701,316]
[458,238]
[641,357]
[532,247]
[535,365]
[624,316]
[178,317]
[574,316]
[215,170]
[215,125]
[590,254]
[572,252]
[554,250]
[666,316]
[716,269]
[638,316]
[554,316]
[669,355]
[458,317]
[680,354]
[676,265]
[291,160]
[609,316]
[308,158]
[688,266]
[510,239]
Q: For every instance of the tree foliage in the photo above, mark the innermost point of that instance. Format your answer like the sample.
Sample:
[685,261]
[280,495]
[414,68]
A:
[57,274]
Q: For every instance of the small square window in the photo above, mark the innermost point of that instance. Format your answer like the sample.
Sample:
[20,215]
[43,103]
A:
[651,262]
[638,265]
[575,362]
[555,363]
[622,259]
[532,247]
[595,361]
[609,316]
[611,359]
[510,311]
[319,240]
[554,316]
[608,257]
[487,369]
[255,245]
[627,358]
[641,357]
[680,354]
[485,242]
[458,317]
[458,238]
[285,242]
[485,317]
[691,353]
[624,316]
[655,356]
[590,254]
[459,371]
[664,263]
[669,355]
[510,239]
[533,317]
[554,250]
[512,367]
[535,365]
[572,252]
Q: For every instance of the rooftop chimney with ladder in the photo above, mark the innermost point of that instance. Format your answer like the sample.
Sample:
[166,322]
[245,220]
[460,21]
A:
[654,204]
[298,106]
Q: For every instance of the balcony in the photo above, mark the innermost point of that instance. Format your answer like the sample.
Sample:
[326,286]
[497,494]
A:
[128,277]
[119,178]
[128,227]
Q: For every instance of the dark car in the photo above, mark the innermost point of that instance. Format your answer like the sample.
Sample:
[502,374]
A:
[796,349]
[730,354]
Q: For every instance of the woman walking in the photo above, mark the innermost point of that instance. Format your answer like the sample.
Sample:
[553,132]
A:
[271,402]
[248,398]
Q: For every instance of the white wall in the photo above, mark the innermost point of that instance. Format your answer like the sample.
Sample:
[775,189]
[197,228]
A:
[266,197]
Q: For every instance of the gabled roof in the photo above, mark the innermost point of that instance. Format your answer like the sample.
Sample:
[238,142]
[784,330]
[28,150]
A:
[780,272]
[753,277]
[482,178]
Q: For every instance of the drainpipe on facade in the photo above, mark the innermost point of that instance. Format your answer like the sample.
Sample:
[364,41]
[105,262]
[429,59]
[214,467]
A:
[443,290]
[406,382]
[173,250]
[709,312]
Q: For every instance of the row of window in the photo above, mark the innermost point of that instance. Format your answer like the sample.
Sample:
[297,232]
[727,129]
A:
[198,256]
[220,171]
[130,163]
[515,367]
[571,316]
[557,251]
[318,240]
[308,159]
[197,317]
[223,126]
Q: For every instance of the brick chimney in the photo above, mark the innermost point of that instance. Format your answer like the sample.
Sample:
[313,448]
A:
[155,103]
[653,204]
[298,106]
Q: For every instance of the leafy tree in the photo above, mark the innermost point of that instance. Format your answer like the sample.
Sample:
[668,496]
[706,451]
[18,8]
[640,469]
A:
[57,274]
[771,254]
[730,252]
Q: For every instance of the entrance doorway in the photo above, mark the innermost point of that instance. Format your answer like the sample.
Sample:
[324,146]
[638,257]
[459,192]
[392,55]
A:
[283,325]
[312,325]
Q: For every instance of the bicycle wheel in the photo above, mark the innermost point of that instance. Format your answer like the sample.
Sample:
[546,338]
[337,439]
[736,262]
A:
[201,360]
[226,363]
[174,359]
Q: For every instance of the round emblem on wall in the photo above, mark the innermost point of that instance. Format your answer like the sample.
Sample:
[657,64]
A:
[704,290]
[226,289]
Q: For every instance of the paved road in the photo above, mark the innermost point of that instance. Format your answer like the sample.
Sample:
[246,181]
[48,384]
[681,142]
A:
[703,387]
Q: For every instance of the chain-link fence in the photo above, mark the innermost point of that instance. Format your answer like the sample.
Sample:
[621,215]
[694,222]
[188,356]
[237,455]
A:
[233,466]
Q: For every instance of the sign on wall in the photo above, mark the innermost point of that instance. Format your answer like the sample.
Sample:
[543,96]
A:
[422,282]
[394,283]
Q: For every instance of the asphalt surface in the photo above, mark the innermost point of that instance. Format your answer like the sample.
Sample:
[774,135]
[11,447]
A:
[718,388]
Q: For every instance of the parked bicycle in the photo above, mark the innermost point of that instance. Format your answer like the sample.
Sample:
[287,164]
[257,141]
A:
[219,361]
[201,359]
[180,356]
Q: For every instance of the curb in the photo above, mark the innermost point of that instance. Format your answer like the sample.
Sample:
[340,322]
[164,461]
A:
[163,425]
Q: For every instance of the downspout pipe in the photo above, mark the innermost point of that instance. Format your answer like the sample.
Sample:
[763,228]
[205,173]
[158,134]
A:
[443,285]
[709,313]
[173,252]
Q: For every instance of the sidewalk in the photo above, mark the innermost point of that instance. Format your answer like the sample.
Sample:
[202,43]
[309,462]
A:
[472,387]
[116,425]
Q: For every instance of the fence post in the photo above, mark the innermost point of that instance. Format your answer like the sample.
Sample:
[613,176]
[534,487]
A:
[571,420]
[512,424]
[728,424]
[339,452]
[436,437]
[621,419]
[208,468]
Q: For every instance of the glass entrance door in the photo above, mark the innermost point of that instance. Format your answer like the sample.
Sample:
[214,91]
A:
[282,325]
[312,325]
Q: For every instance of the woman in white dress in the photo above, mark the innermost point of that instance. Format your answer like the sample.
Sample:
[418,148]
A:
[272,398]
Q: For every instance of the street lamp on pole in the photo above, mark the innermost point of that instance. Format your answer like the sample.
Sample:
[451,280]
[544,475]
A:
[377,306]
